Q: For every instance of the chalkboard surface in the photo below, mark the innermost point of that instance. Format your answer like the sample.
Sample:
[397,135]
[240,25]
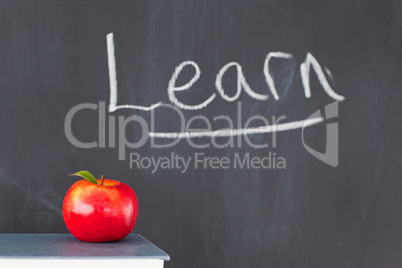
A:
[255,133]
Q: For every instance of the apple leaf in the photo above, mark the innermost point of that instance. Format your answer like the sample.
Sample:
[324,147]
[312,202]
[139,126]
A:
[86,175]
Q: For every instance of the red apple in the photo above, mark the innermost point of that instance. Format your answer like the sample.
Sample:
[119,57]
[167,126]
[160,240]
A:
[99,210]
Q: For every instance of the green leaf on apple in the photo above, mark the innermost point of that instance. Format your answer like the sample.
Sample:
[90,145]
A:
[86,175]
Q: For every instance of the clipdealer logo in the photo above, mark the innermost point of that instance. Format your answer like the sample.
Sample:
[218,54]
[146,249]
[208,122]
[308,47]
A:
[186,132]
[199,160]
[330,156]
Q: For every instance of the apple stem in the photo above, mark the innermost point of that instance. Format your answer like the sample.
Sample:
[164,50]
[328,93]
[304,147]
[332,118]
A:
[102,179]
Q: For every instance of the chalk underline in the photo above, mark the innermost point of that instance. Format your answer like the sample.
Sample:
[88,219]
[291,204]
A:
[238,132]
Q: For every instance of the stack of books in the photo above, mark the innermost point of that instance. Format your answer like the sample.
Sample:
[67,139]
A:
[64,250]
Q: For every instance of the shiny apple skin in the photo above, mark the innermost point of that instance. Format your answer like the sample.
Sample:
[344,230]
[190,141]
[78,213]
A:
[100,213]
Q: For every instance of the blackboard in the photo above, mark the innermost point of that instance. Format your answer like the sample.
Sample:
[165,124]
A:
[336,62]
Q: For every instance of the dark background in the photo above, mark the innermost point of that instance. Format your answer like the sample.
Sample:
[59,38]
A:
[53,56]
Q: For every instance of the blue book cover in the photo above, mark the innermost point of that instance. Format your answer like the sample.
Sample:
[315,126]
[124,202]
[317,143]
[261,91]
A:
[64,250]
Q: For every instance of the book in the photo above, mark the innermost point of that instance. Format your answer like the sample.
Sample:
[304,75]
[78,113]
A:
[64,250]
